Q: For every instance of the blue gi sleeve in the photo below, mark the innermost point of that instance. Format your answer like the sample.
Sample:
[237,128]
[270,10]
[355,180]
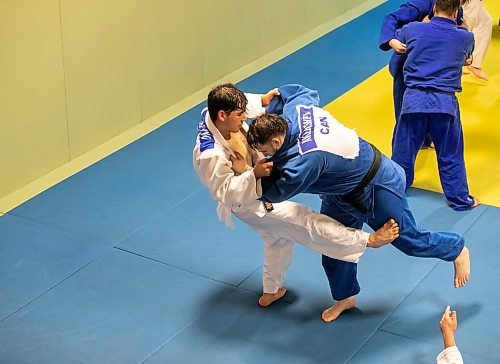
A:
[291,96]
[470,43]
[401,35]
[415,10]
[292,178]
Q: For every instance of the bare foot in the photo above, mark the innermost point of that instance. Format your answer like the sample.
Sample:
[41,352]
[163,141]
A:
[478,72]
[267,298]
[476,202]
[385,235]
[333,312]
[465,71]
[462,268]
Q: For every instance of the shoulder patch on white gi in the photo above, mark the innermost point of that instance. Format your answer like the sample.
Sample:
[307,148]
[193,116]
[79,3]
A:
[319,130]
[205,136]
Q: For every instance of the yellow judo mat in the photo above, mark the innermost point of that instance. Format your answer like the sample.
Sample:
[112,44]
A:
[369,109]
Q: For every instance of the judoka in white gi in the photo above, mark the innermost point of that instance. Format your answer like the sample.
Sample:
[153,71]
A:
[221,144]
[478,22]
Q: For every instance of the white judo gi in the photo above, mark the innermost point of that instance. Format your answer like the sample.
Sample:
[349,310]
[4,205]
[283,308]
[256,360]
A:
[480,24]
[280,228]
[450,355]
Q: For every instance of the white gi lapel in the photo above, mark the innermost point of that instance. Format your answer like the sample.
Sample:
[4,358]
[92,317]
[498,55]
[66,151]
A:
[318,130]
[218,138]
[209,136]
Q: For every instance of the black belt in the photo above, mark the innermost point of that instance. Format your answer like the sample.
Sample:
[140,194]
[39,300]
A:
[351,196]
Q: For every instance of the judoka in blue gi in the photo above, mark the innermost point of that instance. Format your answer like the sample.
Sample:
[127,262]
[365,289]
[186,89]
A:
[313,153]
[436,52]
[221,148]
[415,10]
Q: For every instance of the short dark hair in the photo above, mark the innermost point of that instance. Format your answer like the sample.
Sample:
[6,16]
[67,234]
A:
[225,97]
[447,6]
[265,127]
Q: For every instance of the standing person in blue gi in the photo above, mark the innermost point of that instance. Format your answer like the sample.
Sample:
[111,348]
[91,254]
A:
[221,145]
[313,153]
[436,52]
[415,10]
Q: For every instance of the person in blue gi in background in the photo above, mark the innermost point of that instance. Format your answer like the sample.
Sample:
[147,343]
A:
[313,153]
[415,10]
[436,52]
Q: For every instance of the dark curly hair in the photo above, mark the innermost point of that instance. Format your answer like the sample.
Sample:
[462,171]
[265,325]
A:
[225,97]
[265,127]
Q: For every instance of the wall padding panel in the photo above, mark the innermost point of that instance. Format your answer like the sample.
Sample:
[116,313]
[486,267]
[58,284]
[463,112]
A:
[102,64]
[172,52]
[33,139]
[75,74]
[231,38]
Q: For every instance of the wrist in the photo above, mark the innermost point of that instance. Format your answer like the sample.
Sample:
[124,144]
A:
[448,339]
[255,174]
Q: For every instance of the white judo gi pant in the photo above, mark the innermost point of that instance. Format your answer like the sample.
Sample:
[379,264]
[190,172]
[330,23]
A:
[480,24]
[289,223]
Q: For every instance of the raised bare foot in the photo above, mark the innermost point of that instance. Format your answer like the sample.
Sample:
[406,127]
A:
[462,268]
[478,72]
[385,235]
[267,298]
[333,312]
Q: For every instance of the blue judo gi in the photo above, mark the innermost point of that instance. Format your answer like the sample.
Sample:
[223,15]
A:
[299,169]
[436,52]
[415,10]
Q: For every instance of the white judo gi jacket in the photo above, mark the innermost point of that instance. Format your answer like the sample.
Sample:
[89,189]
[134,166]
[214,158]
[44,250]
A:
[280,228]
[450,355]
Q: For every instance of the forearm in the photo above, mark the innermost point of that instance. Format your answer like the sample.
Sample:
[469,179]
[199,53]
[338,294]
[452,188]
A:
[225,186]
[238,190]
[288,183]
[388,31]
[278,191]
[448,338]
[407,13]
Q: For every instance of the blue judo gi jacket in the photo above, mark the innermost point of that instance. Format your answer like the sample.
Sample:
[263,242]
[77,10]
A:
[306,162]
[412,11]
[436,52]
[300,168]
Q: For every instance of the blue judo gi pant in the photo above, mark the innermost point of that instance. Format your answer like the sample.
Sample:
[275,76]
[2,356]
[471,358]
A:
[398,91]
[385,202]
[446,131]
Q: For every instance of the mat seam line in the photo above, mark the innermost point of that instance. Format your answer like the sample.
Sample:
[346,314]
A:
[173,266]
[409,293]
[50,288]
[392,311]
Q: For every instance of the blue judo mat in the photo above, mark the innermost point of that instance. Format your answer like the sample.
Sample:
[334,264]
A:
[126,262]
